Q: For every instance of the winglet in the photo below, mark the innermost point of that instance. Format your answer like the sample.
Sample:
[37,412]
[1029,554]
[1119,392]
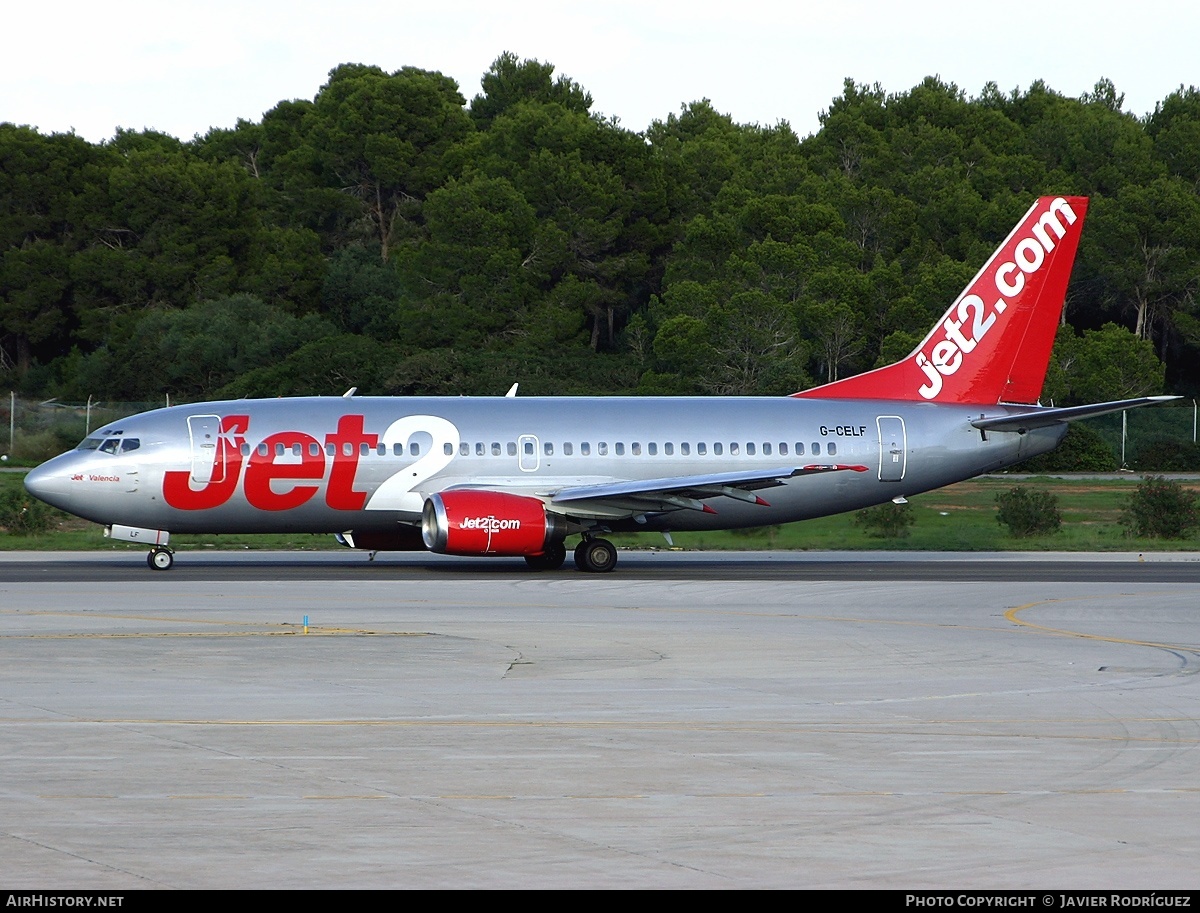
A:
[993,343]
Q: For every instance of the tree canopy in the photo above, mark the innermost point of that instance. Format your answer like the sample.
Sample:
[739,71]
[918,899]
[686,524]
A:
[387,234]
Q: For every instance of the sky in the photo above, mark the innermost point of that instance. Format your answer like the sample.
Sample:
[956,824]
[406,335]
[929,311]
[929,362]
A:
[182,67]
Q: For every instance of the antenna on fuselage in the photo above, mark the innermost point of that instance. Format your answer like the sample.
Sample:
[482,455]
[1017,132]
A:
[512,391]
[349,393]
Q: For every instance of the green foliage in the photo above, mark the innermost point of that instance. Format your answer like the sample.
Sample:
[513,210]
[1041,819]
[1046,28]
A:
[510,81]
[1163,454]
[1028,511]
[193,352]
[524,231]
[1084,449]
[886,521]
[1160,509]
[326,366]
[1104,365]
[22,514]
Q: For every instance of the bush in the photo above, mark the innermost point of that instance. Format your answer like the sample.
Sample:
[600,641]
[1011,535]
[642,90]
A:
[1082,450]
[1162,454]
[886,521]
[1028,512]
[1160,509]
[22,514]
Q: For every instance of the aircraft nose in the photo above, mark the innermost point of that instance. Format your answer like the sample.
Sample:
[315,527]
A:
[46,483]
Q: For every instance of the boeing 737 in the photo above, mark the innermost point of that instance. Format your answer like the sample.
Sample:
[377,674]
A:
[517,476]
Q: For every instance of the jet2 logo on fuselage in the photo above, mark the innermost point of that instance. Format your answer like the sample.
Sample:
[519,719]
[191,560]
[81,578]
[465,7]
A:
[265,475]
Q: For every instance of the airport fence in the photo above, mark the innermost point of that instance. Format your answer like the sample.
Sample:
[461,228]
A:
[34,431]
[37,430]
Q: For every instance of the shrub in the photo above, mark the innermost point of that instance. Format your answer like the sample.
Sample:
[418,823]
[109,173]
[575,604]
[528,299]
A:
[1082,450]
[1028,511]
[1160,509]
[23,515]
[1162,454]
[886,521]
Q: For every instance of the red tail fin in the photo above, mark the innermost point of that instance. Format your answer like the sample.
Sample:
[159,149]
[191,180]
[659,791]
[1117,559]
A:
[993,344]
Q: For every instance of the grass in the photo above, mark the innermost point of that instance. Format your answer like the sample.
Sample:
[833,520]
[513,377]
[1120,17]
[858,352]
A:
[960,517]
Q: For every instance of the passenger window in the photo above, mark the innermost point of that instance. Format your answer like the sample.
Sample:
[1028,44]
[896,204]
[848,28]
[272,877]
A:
[734,448]
[364,449]
[766,449]
[585,449]
[816,449]
[278,448]
[750,449]
[262,449]
[512,448]
[718,449]
[548,448]
[397,450]
[602,448]
[832,448]
[480,450]
[799,449]
[381,449]
[297,450]
[245,449]
[567,448]
[496,451]
[414,449]
[331,449]
[669,449]
[620,449]
[702,449]
[783,449]
[448,449]
[652,449]
[464,449]
[685,449]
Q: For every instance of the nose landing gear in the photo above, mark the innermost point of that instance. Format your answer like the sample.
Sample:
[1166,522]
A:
[161,559]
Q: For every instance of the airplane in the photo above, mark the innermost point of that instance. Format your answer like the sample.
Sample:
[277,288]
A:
[516,476]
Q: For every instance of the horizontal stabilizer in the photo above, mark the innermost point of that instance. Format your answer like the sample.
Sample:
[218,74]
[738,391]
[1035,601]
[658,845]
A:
[1042,418]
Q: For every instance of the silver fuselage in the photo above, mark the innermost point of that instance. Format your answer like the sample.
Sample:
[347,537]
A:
[328,464]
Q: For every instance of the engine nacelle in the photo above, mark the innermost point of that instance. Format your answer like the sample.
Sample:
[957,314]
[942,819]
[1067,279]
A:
[473,522]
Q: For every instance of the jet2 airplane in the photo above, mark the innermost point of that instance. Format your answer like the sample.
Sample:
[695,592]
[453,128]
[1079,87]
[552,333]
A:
[517,476]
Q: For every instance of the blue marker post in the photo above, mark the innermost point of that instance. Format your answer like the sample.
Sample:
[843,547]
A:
[305,624]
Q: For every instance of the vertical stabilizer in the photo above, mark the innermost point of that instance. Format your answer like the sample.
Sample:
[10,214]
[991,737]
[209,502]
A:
[993,344]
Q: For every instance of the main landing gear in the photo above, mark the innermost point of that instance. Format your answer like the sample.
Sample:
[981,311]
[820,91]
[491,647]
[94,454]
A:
[161,559]
[594,555]
[598,556]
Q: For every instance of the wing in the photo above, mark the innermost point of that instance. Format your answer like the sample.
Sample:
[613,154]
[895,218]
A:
[684,492]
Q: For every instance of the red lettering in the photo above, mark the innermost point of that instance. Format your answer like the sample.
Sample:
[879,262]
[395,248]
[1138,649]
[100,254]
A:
[177,483]
[263,469]
[347,442]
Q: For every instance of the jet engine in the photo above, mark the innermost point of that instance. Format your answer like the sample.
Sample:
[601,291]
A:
[473,522]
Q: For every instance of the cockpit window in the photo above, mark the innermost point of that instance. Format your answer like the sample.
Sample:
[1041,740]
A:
[110,444]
